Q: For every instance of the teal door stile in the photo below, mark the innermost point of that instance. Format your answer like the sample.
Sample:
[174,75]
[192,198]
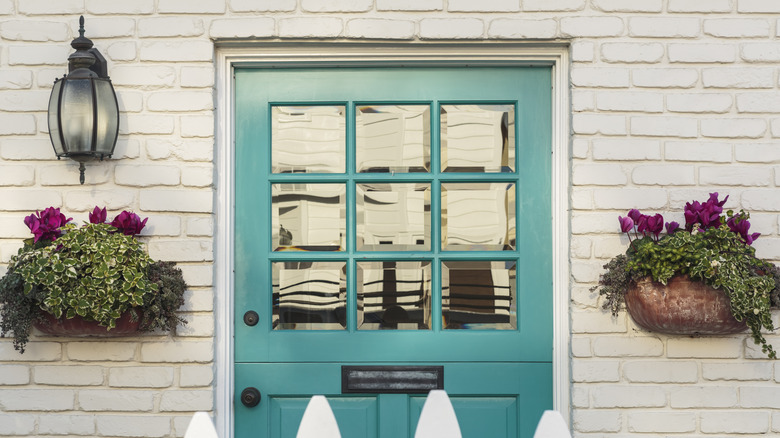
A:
[498,377]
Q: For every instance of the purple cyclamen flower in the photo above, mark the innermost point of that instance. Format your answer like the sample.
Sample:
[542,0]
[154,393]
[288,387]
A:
[98,216]
[626,224]
[655,224]
[714,199]
[692,213]
[641,224]
[672,227]
[129,223]
[634,214]
[46,224]
[710,215]
[742,228]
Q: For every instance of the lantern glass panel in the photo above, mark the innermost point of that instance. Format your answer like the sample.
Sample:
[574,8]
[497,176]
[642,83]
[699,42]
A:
[107,123]
[54,112]
[77,117]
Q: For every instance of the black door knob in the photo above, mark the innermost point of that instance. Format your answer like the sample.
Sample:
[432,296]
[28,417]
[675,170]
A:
[250,397]
[251,317]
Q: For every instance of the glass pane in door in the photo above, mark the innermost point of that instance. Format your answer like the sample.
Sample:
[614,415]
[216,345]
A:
[309,295]
[393,138]
[479,295]
[308,217]
[478,216]
[309,139]
[394,295]
[477,138]
[393,217]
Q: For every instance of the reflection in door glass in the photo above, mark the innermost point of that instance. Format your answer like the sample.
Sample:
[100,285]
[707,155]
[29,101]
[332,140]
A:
[309,295]
[394,295]
[310,139]
[308,217]
[478,216]
[477,138]
[393,138]
[393,217]
[479,295]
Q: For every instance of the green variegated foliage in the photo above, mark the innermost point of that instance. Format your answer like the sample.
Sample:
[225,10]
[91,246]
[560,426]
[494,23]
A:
[94,272]
[716,256]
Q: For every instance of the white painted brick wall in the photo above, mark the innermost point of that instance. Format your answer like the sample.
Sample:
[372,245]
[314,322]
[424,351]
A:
[193,375]
[664,175]
[734,422]
[684,127]
[187,401]
[661,422]
[664,77]
[170,27]
[699,103]
[68,375]
[14,375]
[133,426]
[737,27]
[671,100]
[664,27]
[17,424]
[116,400]
[758,6]
[704,53]
[698,151]
[703,397]
[661,371]
[553,5]
[28,399]
[521,28]
[66,424]
[451,28]
[336,5]
[628,396]
[141,377]
[648,53]
[738,77]
[628,5]
[597,420]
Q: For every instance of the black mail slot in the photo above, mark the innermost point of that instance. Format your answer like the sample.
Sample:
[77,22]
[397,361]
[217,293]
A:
[391,379]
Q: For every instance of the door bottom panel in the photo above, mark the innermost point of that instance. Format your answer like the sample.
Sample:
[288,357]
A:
[490,400]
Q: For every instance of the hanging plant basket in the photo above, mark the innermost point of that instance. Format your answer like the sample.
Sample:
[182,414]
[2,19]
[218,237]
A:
[78,326]
[682,307]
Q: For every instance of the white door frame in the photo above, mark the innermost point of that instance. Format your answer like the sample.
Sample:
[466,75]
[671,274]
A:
[337,54]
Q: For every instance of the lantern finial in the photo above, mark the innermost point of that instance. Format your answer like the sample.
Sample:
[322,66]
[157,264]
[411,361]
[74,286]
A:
[81,58]
[82,168]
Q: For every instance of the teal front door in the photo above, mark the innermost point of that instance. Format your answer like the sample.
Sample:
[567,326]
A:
[392,236]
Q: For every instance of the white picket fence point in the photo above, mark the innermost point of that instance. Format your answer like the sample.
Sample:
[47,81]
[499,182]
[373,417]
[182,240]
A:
[552,425]
[318,420]
[437,419]
[201,427]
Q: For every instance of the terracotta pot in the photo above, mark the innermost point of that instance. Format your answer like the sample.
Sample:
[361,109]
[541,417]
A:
[682,307]
[78,326]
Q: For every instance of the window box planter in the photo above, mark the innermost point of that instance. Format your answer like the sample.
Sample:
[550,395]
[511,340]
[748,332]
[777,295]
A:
[78,326]
[681,307]
[714,249]
[99,271]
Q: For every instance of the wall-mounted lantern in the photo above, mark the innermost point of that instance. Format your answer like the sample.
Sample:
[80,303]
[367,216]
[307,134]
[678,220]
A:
[83,111]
